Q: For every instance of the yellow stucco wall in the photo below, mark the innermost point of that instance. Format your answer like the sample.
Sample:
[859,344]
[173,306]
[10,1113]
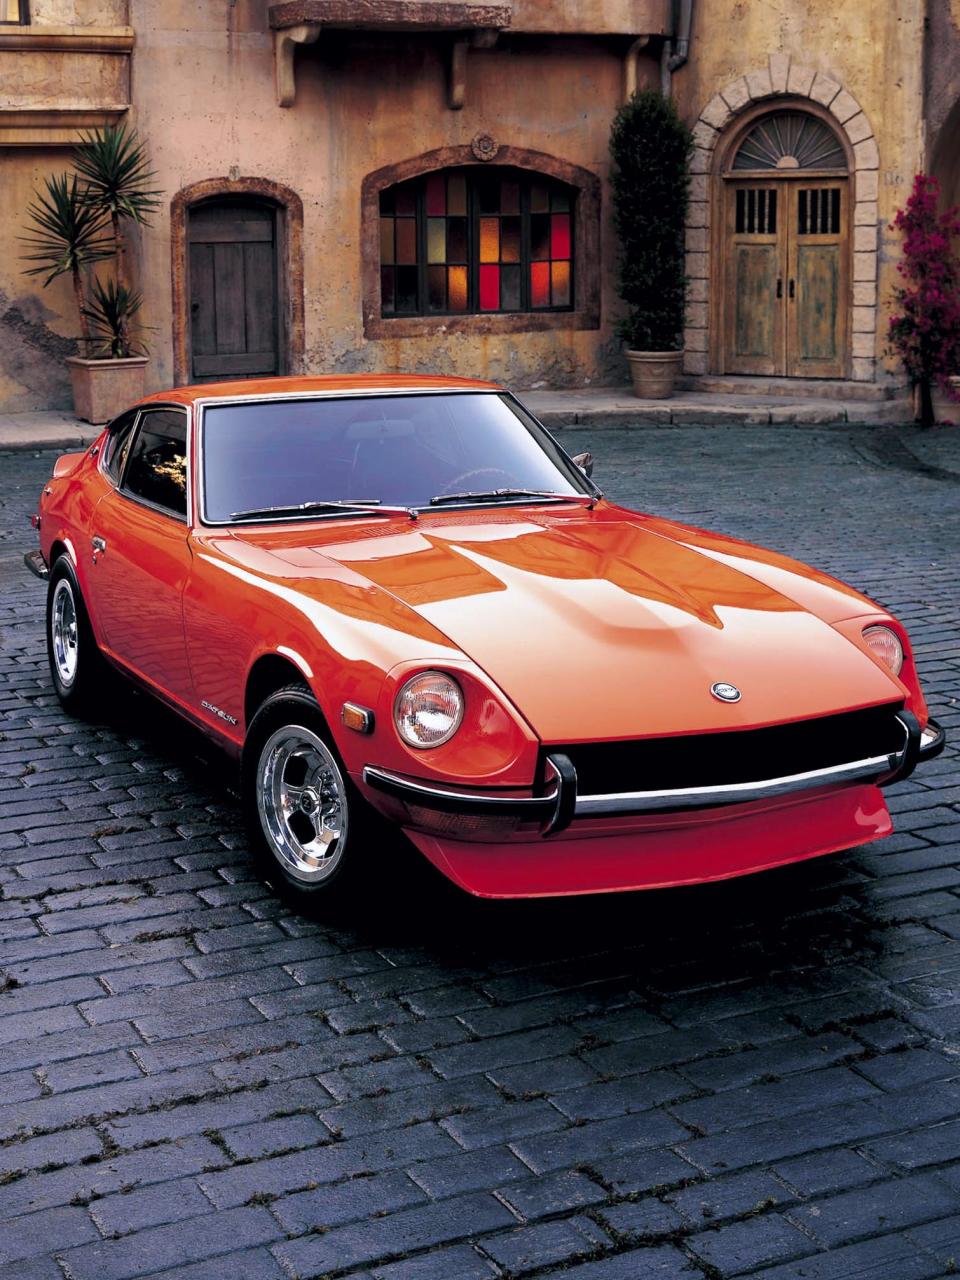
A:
[204,97]
[874,50]
[33,321]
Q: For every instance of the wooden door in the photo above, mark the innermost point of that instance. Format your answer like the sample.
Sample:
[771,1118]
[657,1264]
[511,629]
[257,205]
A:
[786,278]
[234,305]
[817,281]
[753,297]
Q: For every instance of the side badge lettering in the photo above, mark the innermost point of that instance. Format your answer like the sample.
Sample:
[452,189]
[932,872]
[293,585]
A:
[208,706]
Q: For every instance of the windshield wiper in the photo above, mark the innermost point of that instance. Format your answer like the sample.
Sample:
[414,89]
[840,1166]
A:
[495,495]
[371,506]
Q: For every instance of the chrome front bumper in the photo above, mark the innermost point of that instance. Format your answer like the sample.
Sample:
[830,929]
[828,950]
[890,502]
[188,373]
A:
[560,803]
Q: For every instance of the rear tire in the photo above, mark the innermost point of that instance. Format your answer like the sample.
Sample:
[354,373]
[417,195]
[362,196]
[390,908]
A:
[77,666]
[313,835]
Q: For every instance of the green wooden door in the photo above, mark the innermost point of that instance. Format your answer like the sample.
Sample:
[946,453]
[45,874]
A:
[753,299]
[785,279]
[817,281]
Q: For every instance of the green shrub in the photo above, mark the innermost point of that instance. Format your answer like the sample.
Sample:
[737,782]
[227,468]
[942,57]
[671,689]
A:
[650,147]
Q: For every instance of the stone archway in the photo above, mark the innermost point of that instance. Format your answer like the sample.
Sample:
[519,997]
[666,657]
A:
[290,232]
[781,79]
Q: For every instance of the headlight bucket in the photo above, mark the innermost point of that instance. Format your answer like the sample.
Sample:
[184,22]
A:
[886,646]
[428,709]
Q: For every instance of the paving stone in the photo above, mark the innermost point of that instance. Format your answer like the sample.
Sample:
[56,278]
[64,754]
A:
[642,1218]
[338,1160]
[551,1193]
[875,1210]
[401,1232]
[25,1237]
[658,1262]
[459,1260]
[471,1171]
[89,1179]
[356,1200]
[879,1259]
[190,1241]
[728,1197]
[129,1211]
[746,1246]
[530,1248]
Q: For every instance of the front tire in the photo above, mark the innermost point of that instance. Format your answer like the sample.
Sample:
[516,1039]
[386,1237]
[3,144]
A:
[77,667]
[310,829]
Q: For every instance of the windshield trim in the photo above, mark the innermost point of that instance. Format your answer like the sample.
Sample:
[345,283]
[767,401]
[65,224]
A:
[575,475]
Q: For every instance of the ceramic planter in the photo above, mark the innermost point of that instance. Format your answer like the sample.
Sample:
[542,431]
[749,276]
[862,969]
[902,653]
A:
[104,388]
[654,373]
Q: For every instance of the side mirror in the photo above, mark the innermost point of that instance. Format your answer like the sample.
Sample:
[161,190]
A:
[585,462]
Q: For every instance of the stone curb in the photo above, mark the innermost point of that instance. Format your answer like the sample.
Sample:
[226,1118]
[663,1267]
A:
[558,420]
[63,437]
[66,435]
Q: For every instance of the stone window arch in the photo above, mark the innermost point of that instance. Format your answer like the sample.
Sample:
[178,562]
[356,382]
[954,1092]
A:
[579,308]
[290,260]
[720,126]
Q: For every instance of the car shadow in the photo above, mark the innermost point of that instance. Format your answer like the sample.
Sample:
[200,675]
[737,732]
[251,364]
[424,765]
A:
[803,916]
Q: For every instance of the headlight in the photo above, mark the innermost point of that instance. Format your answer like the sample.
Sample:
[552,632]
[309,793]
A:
[428,709]
[885,644]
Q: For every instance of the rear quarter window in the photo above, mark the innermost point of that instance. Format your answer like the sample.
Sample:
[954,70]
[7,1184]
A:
[117,445]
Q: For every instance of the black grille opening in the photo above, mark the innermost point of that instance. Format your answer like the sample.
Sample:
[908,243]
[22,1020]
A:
[738,755]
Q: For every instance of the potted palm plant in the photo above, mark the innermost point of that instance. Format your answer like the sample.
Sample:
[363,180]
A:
[650,147]
[78,221]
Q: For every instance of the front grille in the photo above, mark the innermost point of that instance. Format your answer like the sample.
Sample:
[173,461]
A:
[738,755]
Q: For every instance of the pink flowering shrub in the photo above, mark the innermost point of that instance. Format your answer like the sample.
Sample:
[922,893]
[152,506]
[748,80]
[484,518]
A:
[925,329]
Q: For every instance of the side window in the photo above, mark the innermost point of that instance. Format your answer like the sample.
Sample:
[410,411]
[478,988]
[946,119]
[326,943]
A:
[157,470]
[118,445]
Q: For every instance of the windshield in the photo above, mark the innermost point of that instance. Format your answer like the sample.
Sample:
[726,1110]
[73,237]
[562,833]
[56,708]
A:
[397,450]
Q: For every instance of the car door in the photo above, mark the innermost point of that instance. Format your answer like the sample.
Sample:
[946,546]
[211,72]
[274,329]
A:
[141,555]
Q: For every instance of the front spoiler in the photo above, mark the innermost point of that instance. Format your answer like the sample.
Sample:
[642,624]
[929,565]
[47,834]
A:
[37,565]
[560,804]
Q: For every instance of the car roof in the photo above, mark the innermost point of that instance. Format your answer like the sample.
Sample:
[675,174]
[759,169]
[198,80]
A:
[332,384]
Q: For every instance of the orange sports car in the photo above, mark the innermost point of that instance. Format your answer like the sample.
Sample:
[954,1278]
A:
[398,597]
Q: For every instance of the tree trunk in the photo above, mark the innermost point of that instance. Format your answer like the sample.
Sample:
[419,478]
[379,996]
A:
[119,248]
[927,418]
[82,308]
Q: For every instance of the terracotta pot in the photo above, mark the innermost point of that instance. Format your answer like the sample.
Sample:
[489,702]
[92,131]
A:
[104,388]
[654,373]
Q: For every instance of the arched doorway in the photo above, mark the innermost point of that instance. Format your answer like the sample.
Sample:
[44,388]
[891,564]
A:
[784,225]
[234,292]
[224,196]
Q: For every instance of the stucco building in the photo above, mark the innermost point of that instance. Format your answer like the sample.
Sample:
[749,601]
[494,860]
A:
[422,184]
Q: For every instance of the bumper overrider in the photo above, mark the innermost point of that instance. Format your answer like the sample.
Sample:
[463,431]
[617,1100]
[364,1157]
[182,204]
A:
[467,814]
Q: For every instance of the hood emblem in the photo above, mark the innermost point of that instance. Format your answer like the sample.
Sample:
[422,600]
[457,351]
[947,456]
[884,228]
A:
[725,692]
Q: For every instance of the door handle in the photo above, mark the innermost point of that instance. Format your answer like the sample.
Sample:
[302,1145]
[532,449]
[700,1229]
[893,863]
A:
[779,287]
[792,290]
[99,546]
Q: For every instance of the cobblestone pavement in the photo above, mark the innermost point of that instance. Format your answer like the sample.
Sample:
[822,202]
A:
[755,1078]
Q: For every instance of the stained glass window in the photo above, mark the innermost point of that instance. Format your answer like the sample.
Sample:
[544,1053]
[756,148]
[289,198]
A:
[464,241]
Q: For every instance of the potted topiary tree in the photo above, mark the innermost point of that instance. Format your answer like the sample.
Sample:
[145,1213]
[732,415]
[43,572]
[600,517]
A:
[80,221]
[650,147]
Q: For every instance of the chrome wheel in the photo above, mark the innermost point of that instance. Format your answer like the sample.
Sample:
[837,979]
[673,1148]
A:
[63,632]
[302,801]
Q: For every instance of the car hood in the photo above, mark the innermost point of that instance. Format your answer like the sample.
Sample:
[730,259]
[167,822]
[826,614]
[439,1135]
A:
[607,625]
